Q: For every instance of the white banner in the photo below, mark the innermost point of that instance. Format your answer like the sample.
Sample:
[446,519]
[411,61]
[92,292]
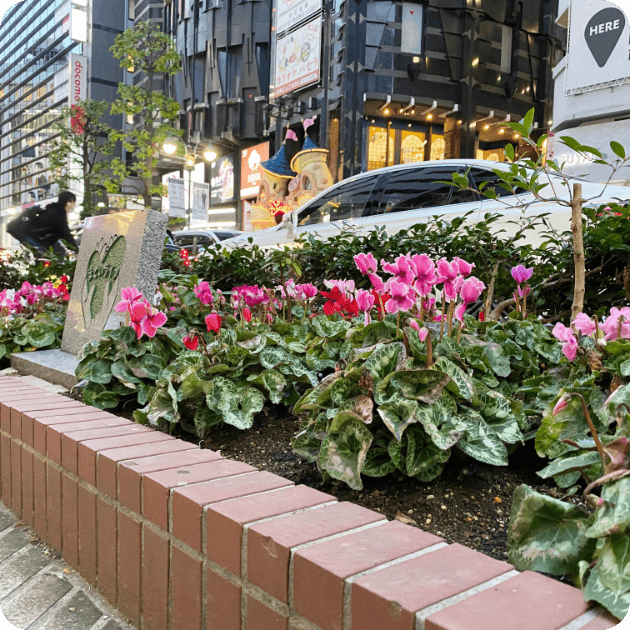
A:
[598,52]
[412,31]
[200,201]
[298,58]
[176,198]
[78,79]
[292,12]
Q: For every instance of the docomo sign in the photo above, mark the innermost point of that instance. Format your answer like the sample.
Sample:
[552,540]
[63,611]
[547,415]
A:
[78,78]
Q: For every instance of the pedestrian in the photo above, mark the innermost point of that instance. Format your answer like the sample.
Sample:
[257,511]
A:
[42,228]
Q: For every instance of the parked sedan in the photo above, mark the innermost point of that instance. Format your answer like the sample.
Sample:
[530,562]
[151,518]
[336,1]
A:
[400,196]
[197,240]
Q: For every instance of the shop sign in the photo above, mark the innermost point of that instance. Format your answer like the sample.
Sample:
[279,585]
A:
[251,174]
[223,180]
[289,13]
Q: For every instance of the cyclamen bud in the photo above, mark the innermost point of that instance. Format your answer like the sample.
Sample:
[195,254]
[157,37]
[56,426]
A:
[561,405]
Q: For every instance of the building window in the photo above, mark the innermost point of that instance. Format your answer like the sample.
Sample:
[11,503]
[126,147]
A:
[506,49]
[378,147]
[438,147]
[412,147]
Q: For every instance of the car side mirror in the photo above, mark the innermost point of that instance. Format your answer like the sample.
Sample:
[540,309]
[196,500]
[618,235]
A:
[289,222]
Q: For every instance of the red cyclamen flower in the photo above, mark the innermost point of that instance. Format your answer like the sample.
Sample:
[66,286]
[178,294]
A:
[192,343]
[213,322]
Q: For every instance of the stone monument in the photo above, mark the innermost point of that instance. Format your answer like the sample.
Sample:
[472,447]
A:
[117,250]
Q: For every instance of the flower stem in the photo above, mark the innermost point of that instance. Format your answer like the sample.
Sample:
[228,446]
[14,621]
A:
[429,350]
[443,315]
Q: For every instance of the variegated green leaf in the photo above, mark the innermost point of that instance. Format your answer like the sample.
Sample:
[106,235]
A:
[441,422]
[613,517]
[398,414]
[460,383]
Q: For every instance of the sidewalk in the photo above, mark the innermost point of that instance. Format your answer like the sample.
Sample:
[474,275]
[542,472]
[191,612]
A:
[38,592]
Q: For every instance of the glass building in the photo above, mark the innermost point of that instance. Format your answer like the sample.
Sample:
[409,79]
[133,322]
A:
[51,53]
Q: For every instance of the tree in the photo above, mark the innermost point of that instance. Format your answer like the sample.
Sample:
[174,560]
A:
[537,173]
[78,155]
[144,48]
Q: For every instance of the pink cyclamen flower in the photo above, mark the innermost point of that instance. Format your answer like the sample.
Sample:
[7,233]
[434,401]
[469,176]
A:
[521,274]
[422,332]
[366,263]
[561,405]
[584,324]
[424,268]
[203,292]
[365,300]
[464,268]
[130,296]
[213,322]
[345,286]
[306,291]
[448,274]
[617,324]
[377,282]
[460,311]
[401,269]
[561,332]
[155,319]
[471,290]
[402,297]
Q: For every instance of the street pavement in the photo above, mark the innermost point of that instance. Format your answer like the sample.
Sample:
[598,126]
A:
[41,592]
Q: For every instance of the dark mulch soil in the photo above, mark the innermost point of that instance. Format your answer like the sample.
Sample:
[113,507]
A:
[469,503]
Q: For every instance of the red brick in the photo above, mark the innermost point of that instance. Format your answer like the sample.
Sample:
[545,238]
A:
[107,461]
[223,603]
[319,571]
[27,488]
[55,431]
[87,534]
[107,558]
[259,617]
[39,497]
[53,507]
[129,555]
[269,544]
[225,520]
[156,487]
[70,440]
[186,591]
[34,431]
[89,449]
[70,521]
[604,621]
[49,401]
[391,597]
[130,472]
[529,601]
[155,572]
[188,502]
[5,463]
[16,479]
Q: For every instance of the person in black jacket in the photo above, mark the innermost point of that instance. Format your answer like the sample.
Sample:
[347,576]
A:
[42,228]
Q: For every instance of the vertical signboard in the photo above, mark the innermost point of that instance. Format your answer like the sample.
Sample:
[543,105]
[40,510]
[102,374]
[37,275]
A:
[176,197]
[78,79]
[412,31]
[297,51]
[598,54]
[222,190]
[200,201]
[251,174]
[298,58]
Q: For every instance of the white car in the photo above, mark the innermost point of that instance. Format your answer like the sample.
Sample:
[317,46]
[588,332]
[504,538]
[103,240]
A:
[401,196]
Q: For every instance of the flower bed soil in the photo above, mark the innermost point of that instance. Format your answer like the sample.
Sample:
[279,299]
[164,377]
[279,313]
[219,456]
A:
[469,503]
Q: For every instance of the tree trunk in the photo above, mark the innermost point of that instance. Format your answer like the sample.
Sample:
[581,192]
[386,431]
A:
[578,252]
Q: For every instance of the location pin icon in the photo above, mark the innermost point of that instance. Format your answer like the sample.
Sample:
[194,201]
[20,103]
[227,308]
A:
[603,32]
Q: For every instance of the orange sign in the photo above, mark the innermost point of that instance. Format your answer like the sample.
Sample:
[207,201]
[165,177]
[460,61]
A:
[251,175]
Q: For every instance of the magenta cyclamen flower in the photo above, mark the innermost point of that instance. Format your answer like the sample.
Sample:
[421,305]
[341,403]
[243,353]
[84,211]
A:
[617,324]
[584,324]
[306,291]
[464,268]
[448,274]
[402,297]
[521,274]
[377,282]
[471,290]
[366,263]
[424,268]
[365,300]
[145,319]
[402,269]
[130,295]
[422,332]
[203,292]
[570,345]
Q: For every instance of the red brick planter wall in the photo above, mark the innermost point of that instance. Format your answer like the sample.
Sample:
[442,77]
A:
[179,538]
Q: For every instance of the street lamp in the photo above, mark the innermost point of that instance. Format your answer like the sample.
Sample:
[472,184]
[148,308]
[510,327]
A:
[170,145]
